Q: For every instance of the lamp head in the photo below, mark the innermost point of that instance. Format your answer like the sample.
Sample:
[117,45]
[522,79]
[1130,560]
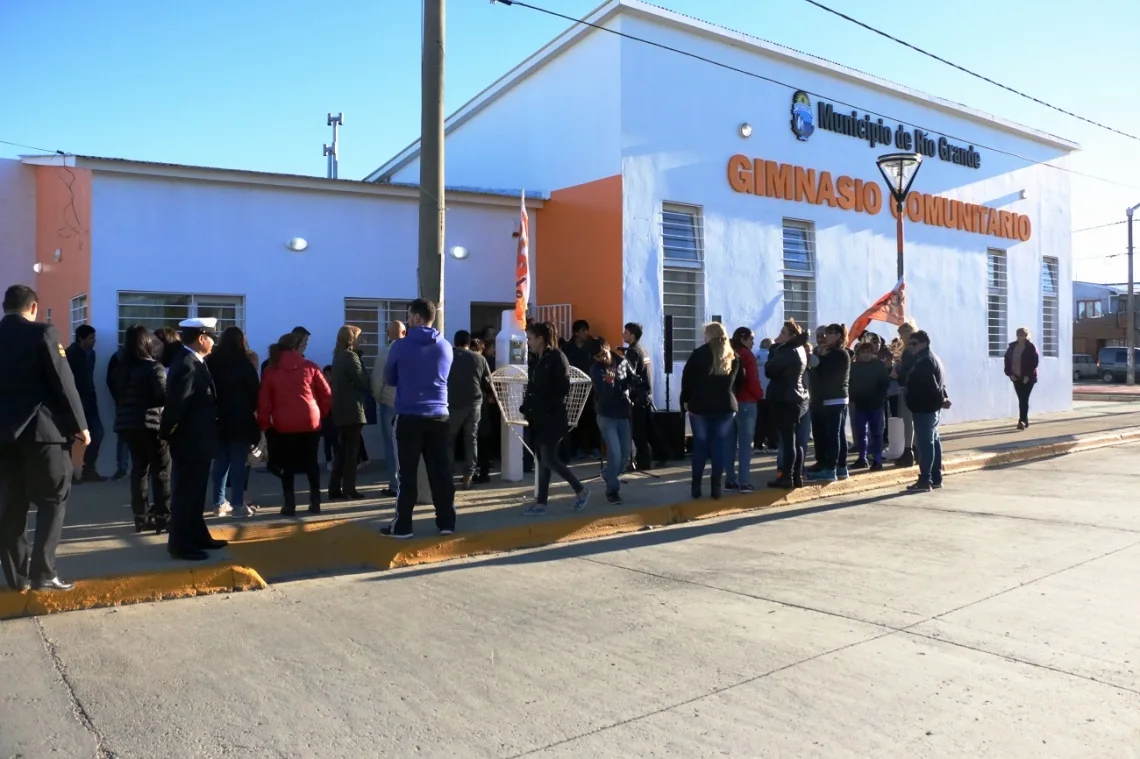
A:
[899,171]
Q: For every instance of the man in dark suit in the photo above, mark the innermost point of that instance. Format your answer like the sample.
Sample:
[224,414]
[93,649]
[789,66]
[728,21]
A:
[40,414]
[190,423]
[81,358]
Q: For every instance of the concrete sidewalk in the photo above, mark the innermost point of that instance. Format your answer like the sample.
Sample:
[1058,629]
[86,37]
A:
[114,565]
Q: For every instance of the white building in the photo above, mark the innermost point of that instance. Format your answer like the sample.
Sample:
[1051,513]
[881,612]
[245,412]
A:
[656,204]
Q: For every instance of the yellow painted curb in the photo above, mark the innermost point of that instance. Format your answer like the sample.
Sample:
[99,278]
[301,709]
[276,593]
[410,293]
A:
[289,551]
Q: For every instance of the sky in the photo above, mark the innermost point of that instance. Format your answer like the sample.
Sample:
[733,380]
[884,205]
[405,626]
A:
[248,84]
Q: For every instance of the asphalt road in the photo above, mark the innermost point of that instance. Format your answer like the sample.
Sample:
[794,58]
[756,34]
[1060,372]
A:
[999,617]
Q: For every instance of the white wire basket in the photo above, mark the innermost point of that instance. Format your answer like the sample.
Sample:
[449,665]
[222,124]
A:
[509,383]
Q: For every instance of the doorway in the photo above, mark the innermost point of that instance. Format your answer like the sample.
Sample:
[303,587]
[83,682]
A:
[487,315]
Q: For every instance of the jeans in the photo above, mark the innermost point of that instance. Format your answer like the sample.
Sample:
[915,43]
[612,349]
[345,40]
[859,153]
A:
[426,437]
[869,423]
[1023,389]
[229,467]
[617,435]
[741,444]
[387,422]
[122,453]
[833,446]
[710,435]
[95,427]
[793,425]
[465,424]
[929,444]
[549,461]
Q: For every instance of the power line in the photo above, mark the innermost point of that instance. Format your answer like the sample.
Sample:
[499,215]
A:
[754,75]
[965,70]
[1102,226]
[31,147]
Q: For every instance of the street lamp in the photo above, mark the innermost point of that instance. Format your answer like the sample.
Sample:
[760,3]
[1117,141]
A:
[1130,341]
[899,171]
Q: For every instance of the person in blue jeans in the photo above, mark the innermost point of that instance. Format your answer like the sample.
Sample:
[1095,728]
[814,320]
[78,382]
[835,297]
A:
[829,390]
[613,379]
[385,396]
[926,397]
[747,409]
[233,367]
[870,381]
[709,383]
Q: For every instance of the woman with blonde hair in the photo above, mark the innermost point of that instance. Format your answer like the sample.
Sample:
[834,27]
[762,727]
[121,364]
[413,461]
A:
[708,393]
[1021,360]
[349,384]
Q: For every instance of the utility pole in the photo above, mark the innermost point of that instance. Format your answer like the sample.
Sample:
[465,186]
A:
[431,158]
[332,153]
[1130,339]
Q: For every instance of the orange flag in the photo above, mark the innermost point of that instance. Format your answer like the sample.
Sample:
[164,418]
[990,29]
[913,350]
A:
[888,308]
[522,269]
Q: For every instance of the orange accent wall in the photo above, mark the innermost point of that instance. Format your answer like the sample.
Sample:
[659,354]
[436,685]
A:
[579,255]
[63,222]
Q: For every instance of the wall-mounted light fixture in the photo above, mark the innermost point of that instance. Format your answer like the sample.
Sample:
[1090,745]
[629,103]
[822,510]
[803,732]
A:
[38,268]
[746,130]
[1021,195]
[57,256]
[459,252]
[297,244]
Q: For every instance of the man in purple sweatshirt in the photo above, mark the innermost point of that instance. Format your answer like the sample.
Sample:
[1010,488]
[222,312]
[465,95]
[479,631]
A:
[418,367]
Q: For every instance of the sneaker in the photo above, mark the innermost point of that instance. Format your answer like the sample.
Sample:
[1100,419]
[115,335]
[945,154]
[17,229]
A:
[731,486]
[747,489]
[922,486]
[582,499]
[936,485]
[389,493]
[447,532]
[613,498]
[242,512]
[223,509]
[859,464]
[841,473]
[877,466]
[823,475]
[535,510]
[390,532]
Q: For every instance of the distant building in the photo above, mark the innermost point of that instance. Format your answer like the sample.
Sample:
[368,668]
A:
[1100,316]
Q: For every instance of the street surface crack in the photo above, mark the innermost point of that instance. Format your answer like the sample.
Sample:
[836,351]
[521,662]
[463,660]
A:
[78,711]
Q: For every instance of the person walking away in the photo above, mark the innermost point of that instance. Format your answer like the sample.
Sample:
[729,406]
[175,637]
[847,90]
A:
[41,413]
[870,381]
[122,447]
[488,418]
[418,367]
[648,444]
[926,396]
[748,398]
[302,336]
[615,382]
[141,394]
[236,383]
[190,423]
[468,382]
[348,387]
[544,406]
[385,396]
[81,359]
[830,391]
[788,399]
[1021,360]
[579,351]
[293,399]
[709,383]
[902,368]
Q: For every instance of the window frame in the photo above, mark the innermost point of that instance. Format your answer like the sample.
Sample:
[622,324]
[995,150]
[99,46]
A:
[385,310]
[197,302]
[1050,304]
[997,335]
[805,317]
[80,303]
[675,270]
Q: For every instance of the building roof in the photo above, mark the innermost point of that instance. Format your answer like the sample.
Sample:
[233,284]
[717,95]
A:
[269,179]
[613,8]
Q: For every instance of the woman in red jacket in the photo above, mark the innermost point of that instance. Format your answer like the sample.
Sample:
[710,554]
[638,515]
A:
[294,397]
[747,401]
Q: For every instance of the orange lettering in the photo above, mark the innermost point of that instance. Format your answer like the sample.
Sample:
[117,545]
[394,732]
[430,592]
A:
[1024,228]
[992,227]
[780,178]
[846,193]
[971,218]
[1007,225]
[958,214]
[872,198]
[740,174]
[758,176]
[805,184]
[826,193]
[935,210]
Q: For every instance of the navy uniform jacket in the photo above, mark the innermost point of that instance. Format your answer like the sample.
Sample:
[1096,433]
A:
[190,416]
[38,399]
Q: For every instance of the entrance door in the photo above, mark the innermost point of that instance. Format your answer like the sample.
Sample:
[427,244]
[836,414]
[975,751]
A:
[487,315]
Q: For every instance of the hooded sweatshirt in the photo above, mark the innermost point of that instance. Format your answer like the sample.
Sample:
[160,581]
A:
[418,367]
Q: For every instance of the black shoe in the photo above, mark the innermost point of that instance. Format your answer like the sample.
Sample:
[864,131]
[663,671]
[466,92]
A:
[53,584]
[696,489]
[141,523]
[315,507]
[798,479]
[288,511]
[119,474]
[214,545]
[922,486]
[390,532]
[906,460]
[877,466]
[335,495]
[859,464]
[389,493]
[92,476]
[352,495]
[613,498]
[782,483]
[188,554]
[159,522]
[731,486]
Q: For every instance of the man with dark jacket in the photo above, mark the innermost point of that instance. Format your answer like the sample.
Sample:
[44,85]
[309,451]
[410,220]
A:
[579,351]
[870,380]
[418,367]
[81,359]
[40,414]
[648,444]
[122,447]
[468,381]
[926,396]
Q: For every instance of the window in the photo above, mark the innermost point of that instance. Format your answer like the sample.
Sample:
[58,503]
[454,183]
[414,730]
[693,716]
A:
[799,272]
[1050,311]
[996,301]
[683,276]
[373,317]
[1090,309]
[78,312]
[156,310]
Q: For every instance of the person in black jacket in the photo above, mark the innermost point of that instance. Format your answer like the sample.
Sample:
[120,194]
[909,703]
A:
[468,383]
[40,414]
[709,383]
[81,359]
[544,407]
[788,401]
[140,394]
[870,381]
[648,444]
[579,351]
[122,448]
[926,396]
[900,371]
[829,390]
[615,382]
[234,370]
[190,422]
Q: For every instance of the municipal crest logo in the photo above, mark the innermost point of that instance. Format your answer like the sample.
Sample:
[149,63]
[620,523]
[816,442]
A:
[802,122]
